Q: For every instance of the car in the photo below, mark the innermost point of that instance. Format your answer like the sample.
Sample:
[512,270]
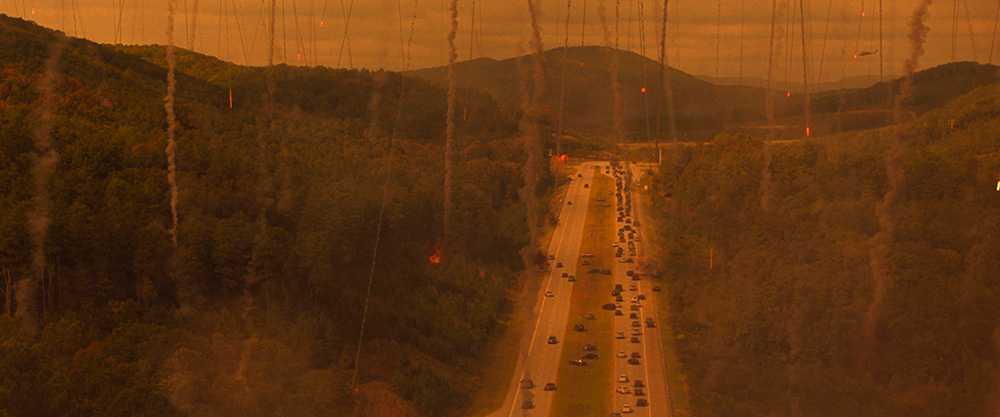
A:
[621,354]
[641,296]
[618,287]
[565,274]
[589,316]
[616,414]
[634,307]
[587,255]
[626,409]
[527,384]
[598,271]
[629,261]
[622,378]
[571,278]
[586,185]
[590,355]
[549,294]
[579,175]
[623,390]
[636,332]
[642,402]
[585,262]
[589,347]
[553,340]
[569,203]
[619,298]
[619,335]
[636,355]
[635,278]
[579,327]
[650,324]
[638,391]
[606,272]
[618,312]
[633,316]
[614,293]
[552,257]
[634,339]
[559,265]
[656,288]
[527,405]
[635,323]
[633,361]
[638,383]
[618,305]
[633,287]
[608,306]
[551,386]
[579,362]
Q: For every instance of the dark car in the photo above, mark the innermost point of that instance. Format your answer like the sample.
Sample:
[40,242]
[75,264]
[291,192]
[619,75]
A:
[579,327]
[641,296]
[606,271]
[633,361]
[585,262]
[559,265]
[608,306]
[634,339]
[638,383]
[527,383]
[638,391]
[633,315]
[656,288]
[551,386]
[571,278]
[619,298]
[590,355]
[635,323]
[569,203]
[642,402]
[636,355]
[553,340]
[597,271]
[589,346]
[618,312]
[527,405]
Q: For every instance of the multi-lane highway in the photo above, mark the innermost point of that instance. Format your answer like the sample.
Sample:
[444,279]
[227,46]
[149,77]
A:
[541,362]
[636,342]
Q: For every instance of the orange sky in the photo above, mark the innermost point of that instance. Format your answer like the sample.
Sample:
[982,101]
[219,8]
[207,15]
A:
[703,36]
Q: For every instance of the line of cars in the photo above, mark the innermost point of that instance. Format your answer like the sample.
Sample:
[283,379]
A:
[626,250]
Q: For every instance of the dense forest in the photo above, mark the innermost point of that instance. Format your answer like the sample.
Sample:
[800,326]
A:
[257,309]
[769,306]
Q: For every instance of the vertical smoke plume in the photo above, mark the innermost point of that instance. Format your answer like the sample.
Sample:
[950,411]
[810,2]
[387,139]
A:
[562,83]
[528,127]
[44,165]
[765,171]
[450,129]
[668,88]
[613,69]
[882,273]
[171,119]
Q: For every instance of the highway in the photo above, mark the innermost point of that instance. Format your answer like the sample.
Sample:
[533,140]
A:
[542,359]
[539,360]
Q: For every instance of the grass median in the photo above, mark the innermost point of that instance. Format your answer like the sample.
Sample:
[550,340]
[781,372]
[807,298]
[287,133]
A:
[586,390]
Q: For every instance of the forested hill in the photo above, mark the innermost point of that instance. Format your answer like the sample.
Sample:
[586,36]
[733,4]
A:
[776,325]
[257,310]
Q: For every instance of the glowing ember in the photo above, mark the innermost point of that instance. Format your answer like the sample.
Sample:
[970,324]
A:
[788,94]
[321,23]
[435,257]
[807,130]
[855,56]
[998,185]
[643,89]
[298,56]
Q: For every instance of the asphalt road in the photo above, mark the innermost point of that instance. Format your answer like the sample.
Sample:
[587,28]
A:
[542,360]
[539,360]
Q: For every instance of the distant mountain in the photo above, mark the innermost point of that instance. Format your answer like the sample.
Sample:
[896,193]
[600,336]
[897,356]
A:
[702,108]
[795,86]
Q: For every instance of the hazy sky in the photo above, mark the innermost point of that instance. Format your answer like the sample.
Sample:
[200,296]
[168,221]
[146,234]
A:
[703,36]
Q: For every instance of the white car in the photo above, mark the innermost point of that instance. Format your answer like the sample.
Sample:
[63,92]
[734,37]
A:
[624,390]
[549,294]
[623,378]
[621,354]
[626,408]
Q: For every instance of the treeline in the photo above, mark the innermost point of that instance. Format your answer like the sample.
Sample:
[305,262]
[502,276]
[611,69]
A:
[775,327]
[258,309]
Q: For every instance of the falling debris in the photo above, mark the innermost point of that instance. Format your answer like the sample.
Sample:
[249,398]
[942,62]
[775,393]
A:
[44,165]
[879,262]
[171,119]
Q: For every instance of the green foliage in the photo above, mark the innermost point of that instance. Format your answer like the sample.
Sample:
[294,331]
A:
[775,328]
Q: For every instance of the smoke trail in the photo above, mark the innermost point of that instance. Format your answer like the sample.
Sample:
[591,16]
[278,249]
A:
[171,119]
[194,25]
[668,88]
[562,83]
[44,164]
[450,129]
[528,126]
[613,69]
[879,262]
[765,171]
[805,66]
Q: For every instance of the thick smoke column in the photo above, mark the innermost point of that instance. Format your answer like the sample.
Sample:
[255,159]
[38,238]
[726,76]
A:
[532,147]
[562,83]
[171,120]
[882,274]
[450,129]
[45,159]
